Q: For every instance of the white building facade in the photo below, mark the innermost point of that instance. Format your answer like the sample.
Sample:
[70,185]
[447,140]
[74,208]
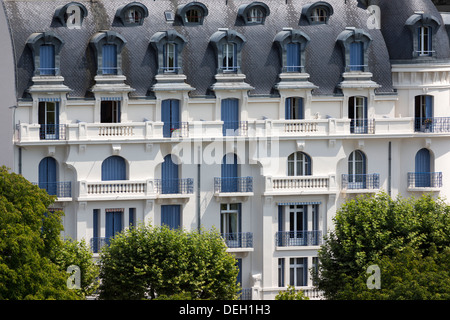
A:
[258,119]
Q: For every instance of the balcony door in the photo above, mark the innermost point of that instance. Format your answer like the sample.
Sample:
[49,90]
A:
[294,108]
[230,116]
[357,113]
[297,225]
[171,216]
[48,118]
[114,223]
[170,116]
[114,168]
[229,173]
[423,113]
[357,170]
[169,176]
[230,224]
[47,175]
[423,168]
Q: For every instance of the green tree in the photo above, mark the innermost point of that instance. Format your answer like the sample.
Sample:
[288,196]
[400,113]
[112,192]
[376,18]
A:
[29,235]
[399,235]
[147,262]
[291,294]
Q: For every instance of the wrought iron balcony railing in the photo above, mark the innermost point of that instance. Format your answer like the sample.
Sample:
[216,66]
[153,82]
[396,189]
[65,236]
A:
[59,189]
[425,180]
[435,125]
[233,184]
[298,238]
[238,239]
[362,126]
[174,186]
[52,132]
[235,128]
[360,181]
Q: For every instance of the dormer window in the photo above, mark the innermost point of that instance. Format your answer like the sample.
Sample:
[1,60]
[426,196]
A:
[228,45]
[108,47]
[192,14]
[71,15]
[45,47]
[168,45]
[318,12]
[355,44]
[292,44]
[423,27]
[132,14]
[253,13]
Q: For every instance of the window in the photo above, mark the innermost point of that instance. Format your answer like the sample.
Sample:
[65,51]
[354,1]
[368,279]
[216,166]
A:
[299,164]
[423,168]
[95,241]
[230,117]
[355,43]
[170,116]
[318,12]
[357,170]
[298,272]
[229,173]
[171,216]
[230,223]
[47,175]
[294,108]
[114,168]
[71,15]
[254,13]
[292,44]
[132,217]
[110,112]
[169,176]
[228,45]
[192,14]
[229,57]
[423,27]
[423,113]
[45,47]
[48,117]
[107,47]
[357,113]
[114,223]
[281,272]
[168,45]
[132,14]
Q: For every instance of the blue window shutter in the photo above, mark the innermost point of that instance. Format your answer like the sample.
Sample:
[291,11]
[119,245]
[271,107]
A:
[109,59]
[47,175]
[47,59]
[229,172]
[230,116]
[429,106]
[113,223]
[170,116]
[356,56]
[287,108]
[171,216]
[423,168]
[114,168]
[169,176]
[95,222]
[293,57]
[239,276]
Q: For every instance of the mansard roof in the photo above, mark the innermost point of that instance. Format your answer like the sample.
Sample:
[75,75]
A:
[260,58]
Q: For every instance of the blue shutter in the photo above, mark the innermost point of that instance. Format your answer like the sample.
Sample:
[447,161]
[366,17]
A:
[230,116]
[47,59]
[293,57]
[171,216]
[287,109]
[113,224]
[169,176]
[95,237]
[170,116]
[47,175]
[229,173]
[114,168]
[109,59]
[356,56]
[429,106]
[423,168]
[239,276]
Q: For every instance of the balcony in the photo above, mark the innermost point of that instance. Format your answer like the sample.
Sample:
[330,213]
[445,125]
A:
[234,187]
[59,189]
[424,181]
[360,182]
[52,132]
[235,128]
[176,130]
[129,189]
[298,238]
[238,241]
[432,125]
[362,126]
[97,243]
[294,185]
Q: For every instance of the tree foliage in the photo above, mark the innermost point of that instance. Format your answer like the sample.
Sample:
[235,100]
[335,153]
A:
[409,239]
[291,294]
[29,235]
[147,262]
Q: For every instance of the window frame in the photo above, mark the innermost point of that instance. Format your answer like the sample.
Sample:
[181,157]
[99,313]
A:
[417,23]
[352,35]
[159,41]
[309,11]
[123,12]
[35,41]
[182,13]
[246,13]
[107,38]
[299,164]
[226,36]
[290,36]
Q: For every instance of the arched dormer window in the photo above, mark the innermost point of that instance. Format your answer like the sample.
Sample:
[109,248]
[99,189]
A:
[46,47]
[292,44]
[253,13]
[423,27]
[299,164]
[169,45]
[71,15]
[355,43]
[108,47]
[318,12]
[228,45]
[192,14]
[132,14]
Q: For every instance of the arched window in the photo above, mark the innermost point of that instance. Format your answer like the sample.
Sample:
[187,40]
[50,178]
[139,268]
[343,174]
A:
[318,12]
[71,15]
[132,14]
[423,168]
[114,168]
[253,13]
[299,164]
[192,13]
[169,176]
[47,175]
[357,170]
